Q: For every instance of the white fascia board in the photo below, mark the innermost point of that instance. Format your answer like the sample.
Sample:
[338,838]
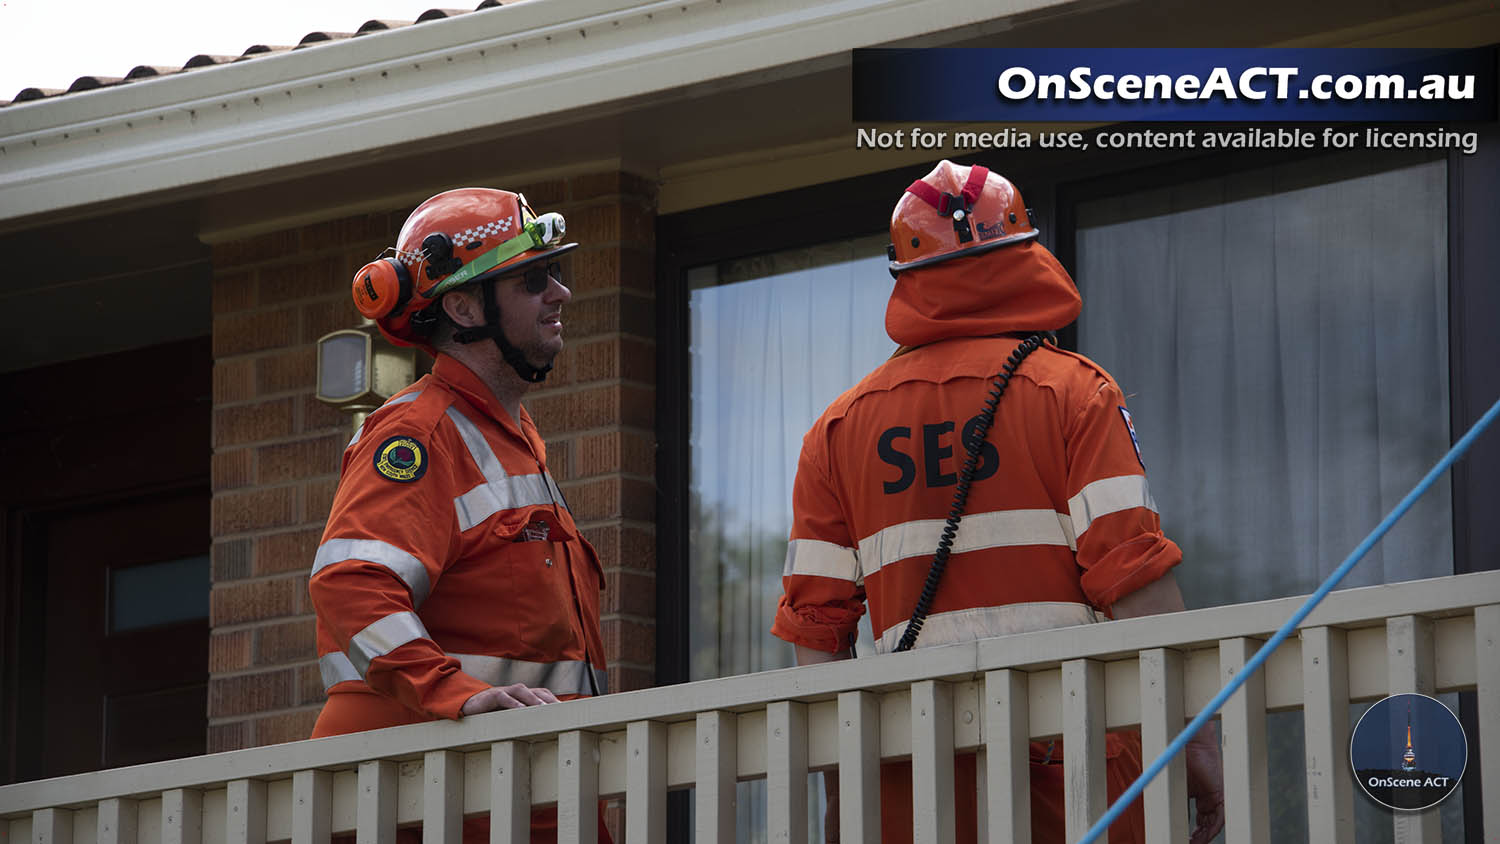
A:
[520,62]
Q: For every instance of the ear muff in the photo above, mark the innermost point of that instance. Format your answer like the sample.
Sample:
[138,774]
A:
[381,288]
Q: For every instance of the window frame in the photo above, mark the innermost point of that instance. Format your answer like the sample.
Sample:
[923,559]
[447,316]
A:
[1054,185]
[772,223]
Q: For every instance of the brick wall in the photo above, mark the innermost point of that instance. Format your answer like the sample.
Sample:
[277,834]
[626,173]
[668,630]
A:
[276,448]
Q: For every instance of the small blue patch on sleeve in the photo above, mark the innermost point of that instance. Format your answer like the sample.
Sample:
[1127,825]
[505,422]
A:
[1133,439]
[401,459]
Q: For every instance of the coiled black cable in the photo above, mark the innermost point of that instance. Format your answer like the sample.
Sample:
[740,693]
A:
[972,447]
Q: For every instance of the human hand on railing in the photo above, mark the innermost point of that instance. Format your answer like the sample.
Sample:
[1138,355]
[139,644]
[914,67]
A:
[513,696]
[1205,782]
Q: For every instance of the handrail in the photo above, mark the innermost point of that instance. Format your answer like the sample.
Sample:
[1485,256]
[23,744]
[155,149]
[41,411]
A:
[1292,622]
[605,728]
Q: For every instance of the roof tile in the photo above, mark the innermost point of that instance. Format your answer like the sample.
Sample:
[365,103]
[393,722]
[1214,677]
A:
[379,26]
[28,94]
[262,49]
[146,71]
[89,83]
[311,39]
[439,14]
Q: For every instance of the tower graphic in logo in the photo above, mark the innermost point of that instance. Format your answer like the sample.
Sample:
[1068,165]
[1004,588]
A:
[1409,758]
[1383,752]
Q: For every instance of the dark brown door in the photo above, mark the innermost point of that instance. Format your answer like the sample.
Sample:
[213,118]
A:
[104,587]
[125,677]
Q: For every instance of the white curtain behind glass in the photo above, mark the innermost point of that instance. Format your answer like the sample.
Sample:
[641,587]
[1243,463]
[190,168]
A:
[1281,336]
[774,340]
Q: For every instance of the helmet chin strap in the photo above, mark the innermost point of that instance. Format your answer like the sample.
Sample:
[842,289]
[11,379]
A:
[494,331]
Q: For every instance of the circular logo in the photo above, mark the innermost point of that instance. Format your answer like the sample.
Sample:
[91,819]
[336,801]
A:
[401,459]
[1409,752]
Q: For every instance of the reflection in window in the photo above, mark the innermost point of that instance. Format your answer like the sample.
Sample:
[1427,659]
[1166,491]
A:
[774,340]
[158,593]
[1281,336]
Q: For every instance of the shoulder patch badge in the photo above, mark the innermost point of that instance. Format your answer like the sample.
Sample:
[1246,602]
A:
[401,459]
[1133,439]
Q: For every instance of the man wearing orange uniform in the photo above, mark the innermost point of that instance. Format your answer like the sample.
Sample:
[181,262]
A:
[451,579]
[1059,527]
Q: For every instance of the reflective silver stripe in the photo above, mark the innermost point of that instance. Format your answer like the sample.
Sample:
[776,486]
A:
[945,628]
[824,559]
[485,500]
[1110,495]
[499,491]
[384,636]
[401,399]
[336,668]
[479,448]
[565,677]
[998,529]
[401,563]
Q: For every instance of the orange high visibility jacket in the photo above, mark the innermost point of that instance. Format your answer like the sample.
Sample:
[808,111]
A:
[1060,522]
[450,563]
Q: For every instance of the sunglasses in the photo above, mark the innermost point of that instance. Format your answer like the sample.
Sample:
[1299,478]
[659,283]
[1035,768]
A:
[535,277]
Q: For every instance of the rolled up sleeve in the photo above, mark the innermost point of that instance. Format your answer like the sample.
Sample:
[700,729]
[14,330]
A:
[1121,547]
[824,594]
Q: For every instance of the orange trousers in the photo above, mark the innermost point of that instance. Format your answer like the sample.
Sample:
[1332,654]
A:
[1048,815]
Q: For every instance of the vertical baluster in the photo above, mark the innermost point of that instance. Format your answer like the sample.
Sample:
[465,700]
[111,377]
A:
[1084,787]
[1007,730]
[1487,660]
[1162,717]
[375,805]
[51,826]
[245,812]
[932,762]
[442,797]
[1325,715]
[1409,668]
[717,765]
[786,772]
[1247,810]
[510,792]
[312,807]
[646,782]
[182,817]
[859,766]
[577,788]
[117,821]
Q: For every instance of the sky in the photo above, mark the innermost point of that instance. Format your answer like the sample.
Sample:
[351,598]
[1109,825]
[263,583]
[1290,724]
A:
[49,43]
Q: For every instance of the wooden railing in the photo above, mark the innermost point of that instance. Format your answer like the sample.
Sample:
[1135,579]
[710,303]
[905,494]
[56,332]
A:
[991,697]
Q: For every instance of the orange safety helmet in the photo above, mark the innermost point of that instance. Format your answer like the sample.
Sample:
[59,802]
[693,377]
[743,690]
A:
[953,212]
[455,238]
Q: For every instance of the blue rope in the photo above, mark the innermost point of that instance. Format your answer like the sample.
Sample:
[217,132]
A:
[1275,641]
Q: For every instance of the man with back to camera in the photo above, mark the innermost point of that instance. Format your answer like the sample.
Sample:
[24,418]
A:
[451,579]
[1058,526]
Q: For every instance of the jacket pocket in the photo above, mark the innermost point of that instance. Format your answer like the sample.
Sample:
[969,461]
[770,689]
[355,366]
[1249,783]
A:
[535,550]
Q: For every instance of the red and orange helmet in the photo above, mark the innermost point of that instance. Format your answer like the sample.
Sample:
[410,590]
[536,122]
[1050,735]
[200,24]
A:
[953,212]
[455,238]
